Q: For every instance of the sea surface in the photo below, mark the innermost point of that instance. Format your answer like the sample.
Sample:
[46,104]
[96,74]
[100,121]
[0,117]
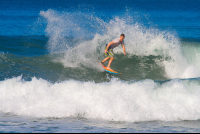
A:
[51,80]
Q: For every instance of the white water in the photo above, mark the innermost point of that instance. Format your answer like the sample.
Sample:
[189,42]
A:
[115,100]
[139,41]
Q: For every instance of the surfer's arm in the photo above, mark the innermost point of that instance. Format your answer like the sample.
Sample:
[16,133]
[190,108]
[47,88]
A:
[108,46]
[124,49]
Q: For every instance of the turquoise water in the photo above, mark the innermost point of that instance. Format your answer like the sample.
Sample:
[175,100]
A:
[51,80]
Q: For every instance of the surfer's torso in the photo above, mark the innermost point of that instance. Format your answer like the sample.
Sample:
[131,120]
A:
[117,42]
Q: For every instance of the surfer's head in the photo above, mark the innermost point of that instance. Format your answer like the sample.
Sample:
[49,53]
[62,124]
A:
[122,36]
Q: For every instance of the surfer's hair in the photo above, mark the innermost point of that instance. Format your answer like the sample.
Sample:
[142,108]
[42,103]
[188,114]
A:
[122,35]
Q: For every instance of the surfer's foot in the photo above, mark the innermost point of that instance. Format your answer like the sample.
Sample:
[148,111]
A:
[109,68]
[101,63]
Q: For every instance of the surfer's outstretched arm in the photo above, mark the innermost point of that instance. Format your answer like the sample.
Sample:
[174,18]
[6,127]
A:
[124,49]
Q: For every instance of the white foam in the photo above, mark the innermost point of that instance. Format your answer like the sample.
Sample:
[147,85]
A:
[139,40]
[115,100]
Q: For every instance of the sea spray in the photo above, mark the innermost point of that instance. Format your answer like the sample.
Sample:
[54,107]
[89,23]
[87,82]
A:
[87,48]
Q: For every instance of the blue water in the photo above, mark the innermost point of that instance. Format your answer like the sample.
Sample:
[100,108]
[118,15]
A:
[51,80]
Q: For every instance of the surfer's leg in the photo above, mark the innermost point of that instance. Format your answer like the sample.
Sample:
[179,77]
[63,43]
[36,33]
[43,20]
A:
[111,56]
[108,55]
[107,58]
[110,61]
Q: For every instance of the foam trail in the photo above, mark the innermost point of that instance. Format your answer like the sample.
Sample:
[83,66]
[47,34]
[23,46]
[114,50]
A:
[117,100]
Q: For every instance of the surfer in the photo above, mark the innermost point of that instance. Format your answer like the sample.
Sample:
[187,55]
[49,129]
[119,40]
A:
[109,49]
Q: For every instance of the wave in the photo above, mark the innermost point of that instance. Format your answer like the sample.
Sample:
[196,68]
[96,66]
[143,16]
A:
[69,82]
[89,34]
[133,68]
[73,49]
[115,101]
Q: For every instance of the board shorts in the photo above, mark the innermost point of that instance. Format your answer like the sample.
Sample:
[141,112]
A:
[109,52]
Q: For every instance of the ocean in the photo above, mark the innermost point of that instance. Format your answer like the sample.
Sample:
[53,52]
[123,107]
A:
[51,79]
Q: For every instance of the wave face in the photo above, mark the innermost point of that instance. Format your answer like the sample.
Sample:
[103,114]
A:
[152,53]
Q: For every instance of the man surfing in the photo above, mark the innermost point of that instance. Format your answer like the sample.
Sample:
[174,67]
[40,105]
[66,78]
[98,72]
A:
[109,49]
